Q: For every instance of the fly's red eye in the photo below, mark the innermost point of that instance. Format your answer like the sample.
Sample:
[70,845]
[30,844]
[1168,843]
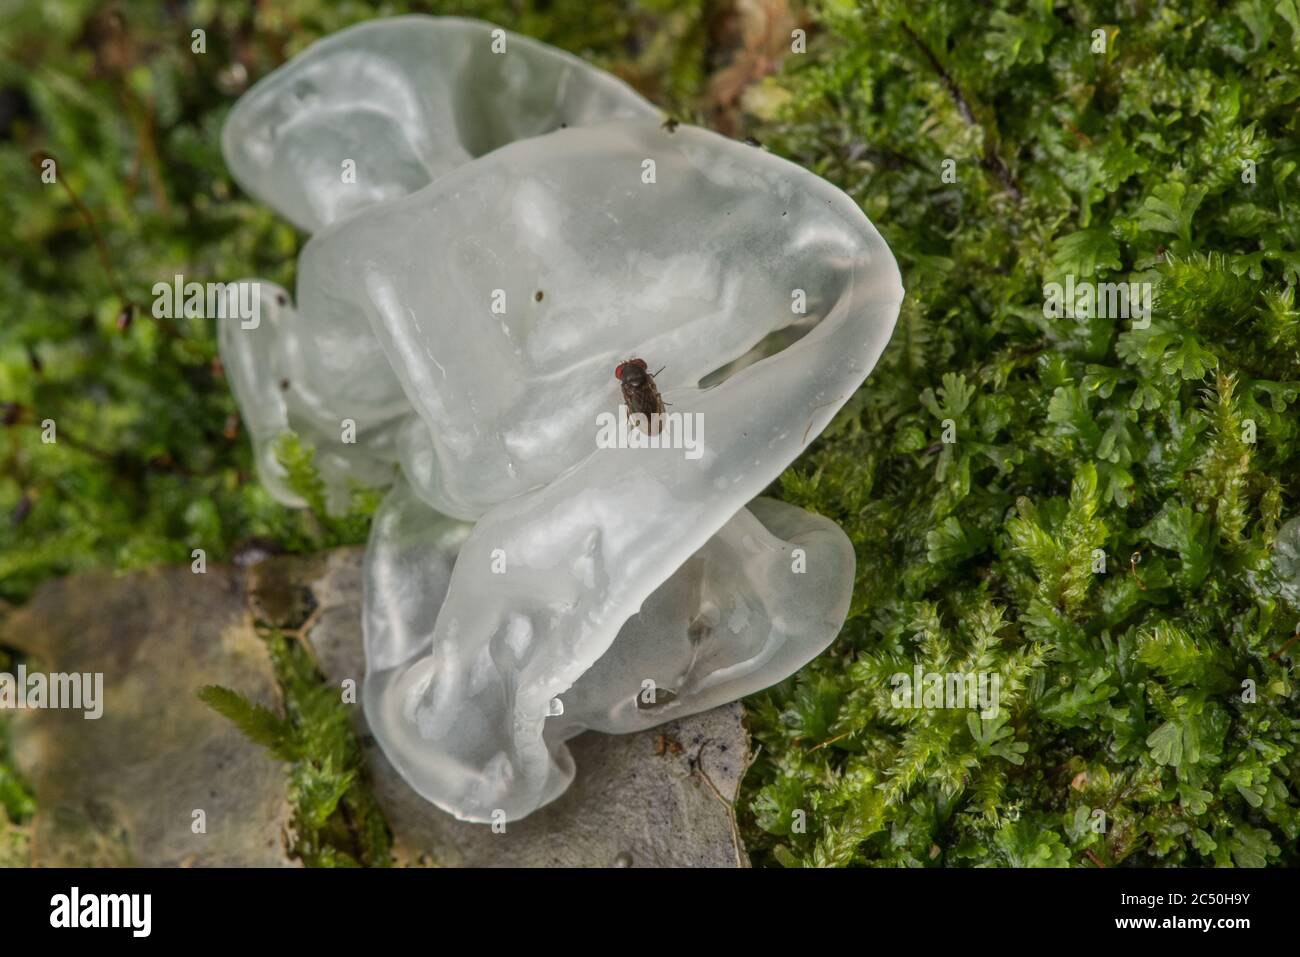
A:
[618,371]
[640,363]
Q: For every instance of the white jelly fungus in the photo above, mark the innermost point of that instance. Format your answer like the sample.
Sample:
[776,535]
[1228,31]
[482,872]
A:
[516,224]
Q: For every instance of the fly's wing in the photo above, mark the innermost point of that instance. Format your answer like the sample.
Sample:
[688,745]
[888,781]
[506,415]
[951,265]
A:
[657,410]
[652,404]
[645,400]
[630,399]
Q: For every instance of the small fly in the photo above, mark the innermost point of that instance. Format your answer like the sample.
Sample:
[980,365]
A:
[640,393]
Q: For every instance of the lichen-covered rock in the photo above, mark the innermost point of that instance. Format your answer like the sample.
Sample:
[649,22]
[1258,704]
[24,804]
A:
[124,789]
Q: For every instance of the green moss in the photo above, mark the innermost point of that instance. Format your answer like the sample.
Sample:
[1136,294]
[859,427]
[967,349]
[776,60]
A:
[336,820]
[1124,688]
[16,803]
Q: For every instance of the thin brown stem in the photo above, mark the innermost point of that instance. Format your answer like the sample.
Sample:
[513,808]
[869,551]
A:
[38,159]
[1277,655]
[698,766]
[992,161]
